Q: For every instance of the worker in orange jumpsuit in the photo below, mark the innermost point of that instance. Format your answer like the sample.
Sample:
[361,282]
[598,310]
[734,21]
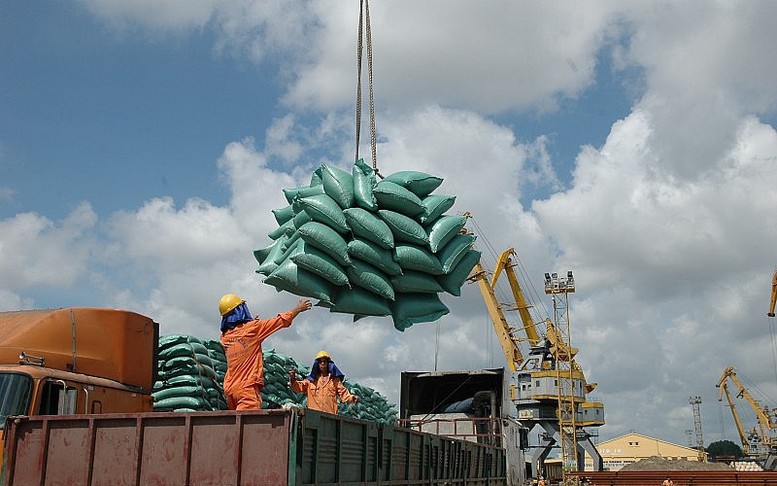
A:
[242,336]
[323,385]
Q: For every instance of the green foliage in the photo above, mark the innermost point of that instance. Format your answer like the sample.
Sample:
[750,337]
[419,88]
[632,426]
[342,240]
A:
[724,448]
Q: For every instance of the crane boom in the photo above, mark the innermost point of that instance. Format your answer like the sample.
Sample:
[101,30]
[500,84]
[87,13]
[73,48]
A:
[774,295]
[504,331]
[764,434]
[506,265]
[723,385]
[764,421]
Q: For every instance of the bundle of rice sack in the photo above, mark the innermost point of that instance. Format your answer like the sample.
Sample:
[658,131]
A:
[357,244]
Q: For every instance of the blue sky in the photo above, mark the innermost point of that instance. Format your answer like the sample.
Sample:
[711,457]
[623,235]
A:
[143,145]
[154,113]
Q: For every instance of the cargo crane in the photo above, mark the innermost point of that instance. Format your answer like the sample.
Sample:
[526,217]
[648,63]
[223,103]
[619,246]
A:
[761,442]
[548,387]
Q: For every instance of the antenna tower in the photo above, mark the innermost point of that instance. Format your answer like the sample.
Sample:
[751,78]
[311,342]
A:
[695,403]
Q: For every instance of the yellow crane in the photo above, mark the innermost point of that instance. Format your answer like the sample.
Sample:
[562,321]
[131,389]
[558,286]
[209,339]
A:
[562,410]
[761,442]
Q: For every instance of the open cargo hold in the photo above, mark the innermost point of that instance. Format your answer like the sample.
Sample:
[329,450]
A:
[112,344]
[267,447]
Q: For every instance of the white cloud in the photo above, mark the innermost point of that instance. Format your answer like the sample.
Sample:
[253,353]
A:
[491,60]
[657,226]
[508,56]
[37,251]
[12,301]
[164,15]
[705,68]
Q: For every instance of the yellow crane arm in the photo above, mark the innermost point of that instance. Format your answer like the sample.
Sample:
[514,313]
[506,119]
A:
[559,347]
[503,330]
[764,420]
[774,295]
[505,264]
[723,385]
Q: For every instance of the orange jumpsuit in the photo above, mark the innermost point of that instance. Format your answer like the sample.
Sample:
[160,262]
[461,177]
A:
[244,379]
[323,392]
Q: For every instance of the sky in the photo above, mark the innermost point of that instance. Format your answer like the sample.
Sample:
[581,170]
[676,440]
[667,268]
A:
[144,144]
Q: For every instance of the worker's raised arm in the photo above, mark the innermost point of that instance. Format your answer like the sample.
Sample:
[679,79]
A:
[302,306]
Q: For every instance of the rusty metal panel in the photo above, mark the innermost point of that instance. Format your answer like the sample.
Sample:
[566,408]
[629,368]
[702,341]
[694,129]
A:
[265,450]
[163,449]
[26,454]
[200,448]
[115,451]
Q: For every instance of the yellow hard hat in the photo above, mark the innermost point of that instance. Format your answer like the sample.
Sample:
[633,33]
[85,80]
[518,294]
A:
[323,354]
[228,303]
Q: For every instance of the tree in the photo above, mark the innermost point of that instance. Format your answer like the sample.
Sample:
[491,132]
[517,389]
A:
[724,448]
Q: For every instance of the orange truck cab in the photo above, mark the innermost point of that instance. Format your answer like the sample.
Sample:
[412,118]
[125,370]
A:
[76,361]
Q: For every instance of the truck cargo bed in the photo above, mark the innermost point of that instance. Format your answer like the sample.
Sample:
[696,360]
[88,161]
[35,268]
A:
[262,448]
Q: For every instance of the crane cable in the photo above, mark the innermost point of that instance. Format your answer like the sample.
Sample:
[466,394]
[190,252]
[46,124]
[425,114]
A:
[773,336]
[365,32]
[770,314]
[530,291]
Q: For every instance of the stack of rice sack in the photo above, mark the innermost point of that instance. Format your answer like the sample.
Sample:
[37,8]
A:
[371,406]
[218,357]
[187,380]
[191,378]
[370,248]
[277,392]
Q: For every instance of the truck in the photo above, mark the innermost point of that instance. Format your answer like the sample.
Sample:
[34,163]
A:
[77,408]
[76,361]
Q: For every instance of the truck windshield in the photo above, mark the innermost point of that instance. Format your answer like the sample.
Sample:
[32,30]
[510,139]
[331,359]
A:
[15,391]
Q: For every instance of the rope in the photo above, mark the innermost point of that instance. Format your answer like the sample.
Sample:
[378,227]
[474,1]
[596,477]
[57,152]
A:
[436,344]
[365,31]
[773,340]
[359,84]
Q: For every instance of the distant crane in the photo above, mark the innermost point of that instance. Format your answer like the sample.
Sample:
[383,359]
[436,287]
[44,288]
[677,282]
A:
[548,388]
[695,405]
[761,443]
